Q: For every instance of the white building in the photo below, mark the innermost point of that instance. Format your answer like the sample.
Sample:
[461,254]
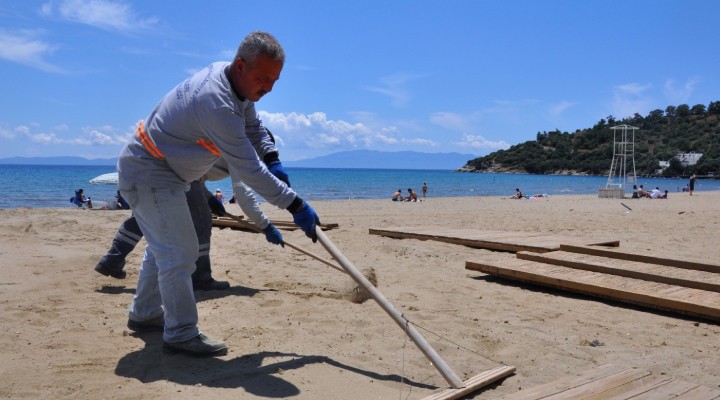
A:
[687,159]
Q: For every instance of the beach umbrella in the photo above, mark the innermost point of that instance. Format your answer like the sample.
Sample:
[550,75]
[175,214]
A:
[105,179]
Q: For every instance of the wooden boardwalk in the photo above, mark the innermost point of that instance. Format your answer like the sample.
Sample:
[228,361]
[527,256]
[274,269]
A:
[653,294]
[631,269]
[613,382]
[494,240]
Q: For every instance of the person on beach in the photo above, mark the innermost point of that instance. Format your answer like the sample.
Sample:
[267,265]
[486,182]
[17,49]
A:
[80,200]
[198,198]
[397,196]
[642,193]
[655,193]
[691,184]
[208,116]
[424,190]
[518,194]
[412,196]
[121,203]
[219,196]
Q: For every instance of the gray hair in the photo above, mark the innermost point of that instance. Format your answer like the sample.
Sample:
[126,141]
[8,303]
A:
[257,43]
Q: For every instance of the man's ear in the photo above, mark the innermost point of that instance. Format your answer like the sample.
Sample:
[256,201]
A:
[240,64]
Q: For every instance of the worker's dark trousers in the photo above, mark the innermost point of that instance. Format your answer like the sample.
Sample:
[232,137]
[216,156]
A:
[129,234]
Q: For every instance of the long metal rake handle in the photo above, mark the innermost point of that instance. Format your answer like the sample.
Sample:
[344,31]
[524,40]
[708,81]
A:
[288,244]
[442,367]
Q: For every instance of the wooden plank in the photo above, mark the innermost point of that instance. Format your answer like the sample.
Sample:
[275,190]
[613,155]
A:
[614,382]
[223,222]
[700,393]
[475,383]
[569,382]
[631,389]
[632,269]
[657,295]
[493,240]
[605,252]
[601,385]
[670,391]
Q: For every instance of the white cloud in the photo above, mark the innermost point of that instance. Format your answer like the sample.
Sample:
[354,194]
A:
[421,142]
[451,120]
[631,89]
[25,48]
[317,131]
[560,108]
[680,95]
[7,134]
[318,121]
[102,136]
[631,98]
[44,138]
[393,86]
[103,14]
[479,142]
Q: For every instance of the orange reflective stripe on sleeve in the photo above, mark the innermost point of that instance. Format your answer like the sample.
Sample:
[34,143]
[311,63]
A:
[209,145]
[149,145]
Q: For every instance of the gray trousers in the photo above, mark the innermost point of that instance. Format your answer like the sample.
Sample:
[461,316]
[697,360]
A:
[129,234]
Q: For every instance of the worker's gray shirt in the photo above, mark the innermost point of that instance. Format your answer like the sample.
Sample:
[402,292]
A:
[198,118]
[243,195]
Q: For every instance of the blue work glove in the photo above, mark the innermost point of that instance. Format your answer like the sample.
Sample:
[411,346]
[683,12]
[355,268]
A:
[307,219]
[277,169]
[272,234]
[216,206]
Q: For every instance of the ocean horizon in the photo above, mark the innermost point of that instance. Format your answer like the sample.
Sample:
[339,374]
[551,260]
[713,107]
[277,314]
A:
[41,186]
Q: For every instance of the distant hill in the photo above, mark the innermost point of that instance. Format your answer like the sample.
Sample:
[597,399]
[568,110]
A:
[58,161]
[344,159]
[660,136]
[386,160]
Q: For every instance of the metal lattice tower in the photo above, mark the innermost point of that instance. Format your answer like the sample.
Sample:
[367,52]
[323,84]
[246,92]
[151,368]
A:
[623,157]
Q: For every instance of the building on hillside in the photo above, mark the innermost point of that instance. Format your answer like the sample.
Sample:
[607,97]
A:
[686,159]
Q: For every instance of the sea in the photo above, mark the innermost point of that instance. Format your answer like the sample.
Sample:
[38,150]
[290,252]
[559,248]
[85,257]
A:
[41,186]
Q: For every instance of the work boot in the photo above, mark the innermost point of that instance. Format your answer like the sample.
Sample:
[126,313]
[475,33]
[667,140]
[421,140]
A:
[107,271]
[212,284]
[156,324]
[200,346]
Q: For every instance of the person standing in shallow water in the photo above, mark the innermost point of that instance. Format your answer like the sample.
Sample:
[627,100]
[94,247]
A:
[424,190]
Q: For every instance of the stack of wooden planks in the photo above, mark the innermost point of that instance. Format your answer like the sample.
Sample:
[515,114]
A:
[686,287]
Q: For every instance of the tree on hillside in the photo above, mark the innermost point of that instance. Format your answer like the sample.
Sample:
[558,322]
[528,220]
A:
[714,108]
[655,115]
[683,110]
[662,135]
[671,111]
[675,169]
[698,109]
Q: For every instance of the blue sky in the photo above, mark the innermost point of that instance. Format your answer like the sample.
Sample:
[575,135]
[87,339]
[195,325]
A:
[458,76]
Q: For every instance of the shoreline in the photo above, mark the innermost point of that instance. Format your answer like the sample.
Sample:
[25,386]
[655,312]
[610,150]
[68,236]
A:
[672,195]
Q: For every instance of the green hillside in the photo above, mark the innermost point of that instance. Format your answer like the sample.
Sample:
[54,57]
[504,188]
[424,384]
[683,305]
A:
[661,135]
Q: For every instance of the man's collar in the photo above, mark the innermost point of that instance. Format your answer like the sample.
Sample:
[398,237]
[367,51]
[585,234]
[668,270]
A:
[228,76]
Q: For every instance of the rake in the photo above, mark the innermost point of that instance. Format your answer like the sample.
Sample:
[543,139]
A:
[458,387]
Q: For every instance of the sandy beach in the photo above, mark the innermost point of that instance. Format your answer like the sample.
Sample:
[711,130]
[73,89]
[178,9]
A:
[292,333]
